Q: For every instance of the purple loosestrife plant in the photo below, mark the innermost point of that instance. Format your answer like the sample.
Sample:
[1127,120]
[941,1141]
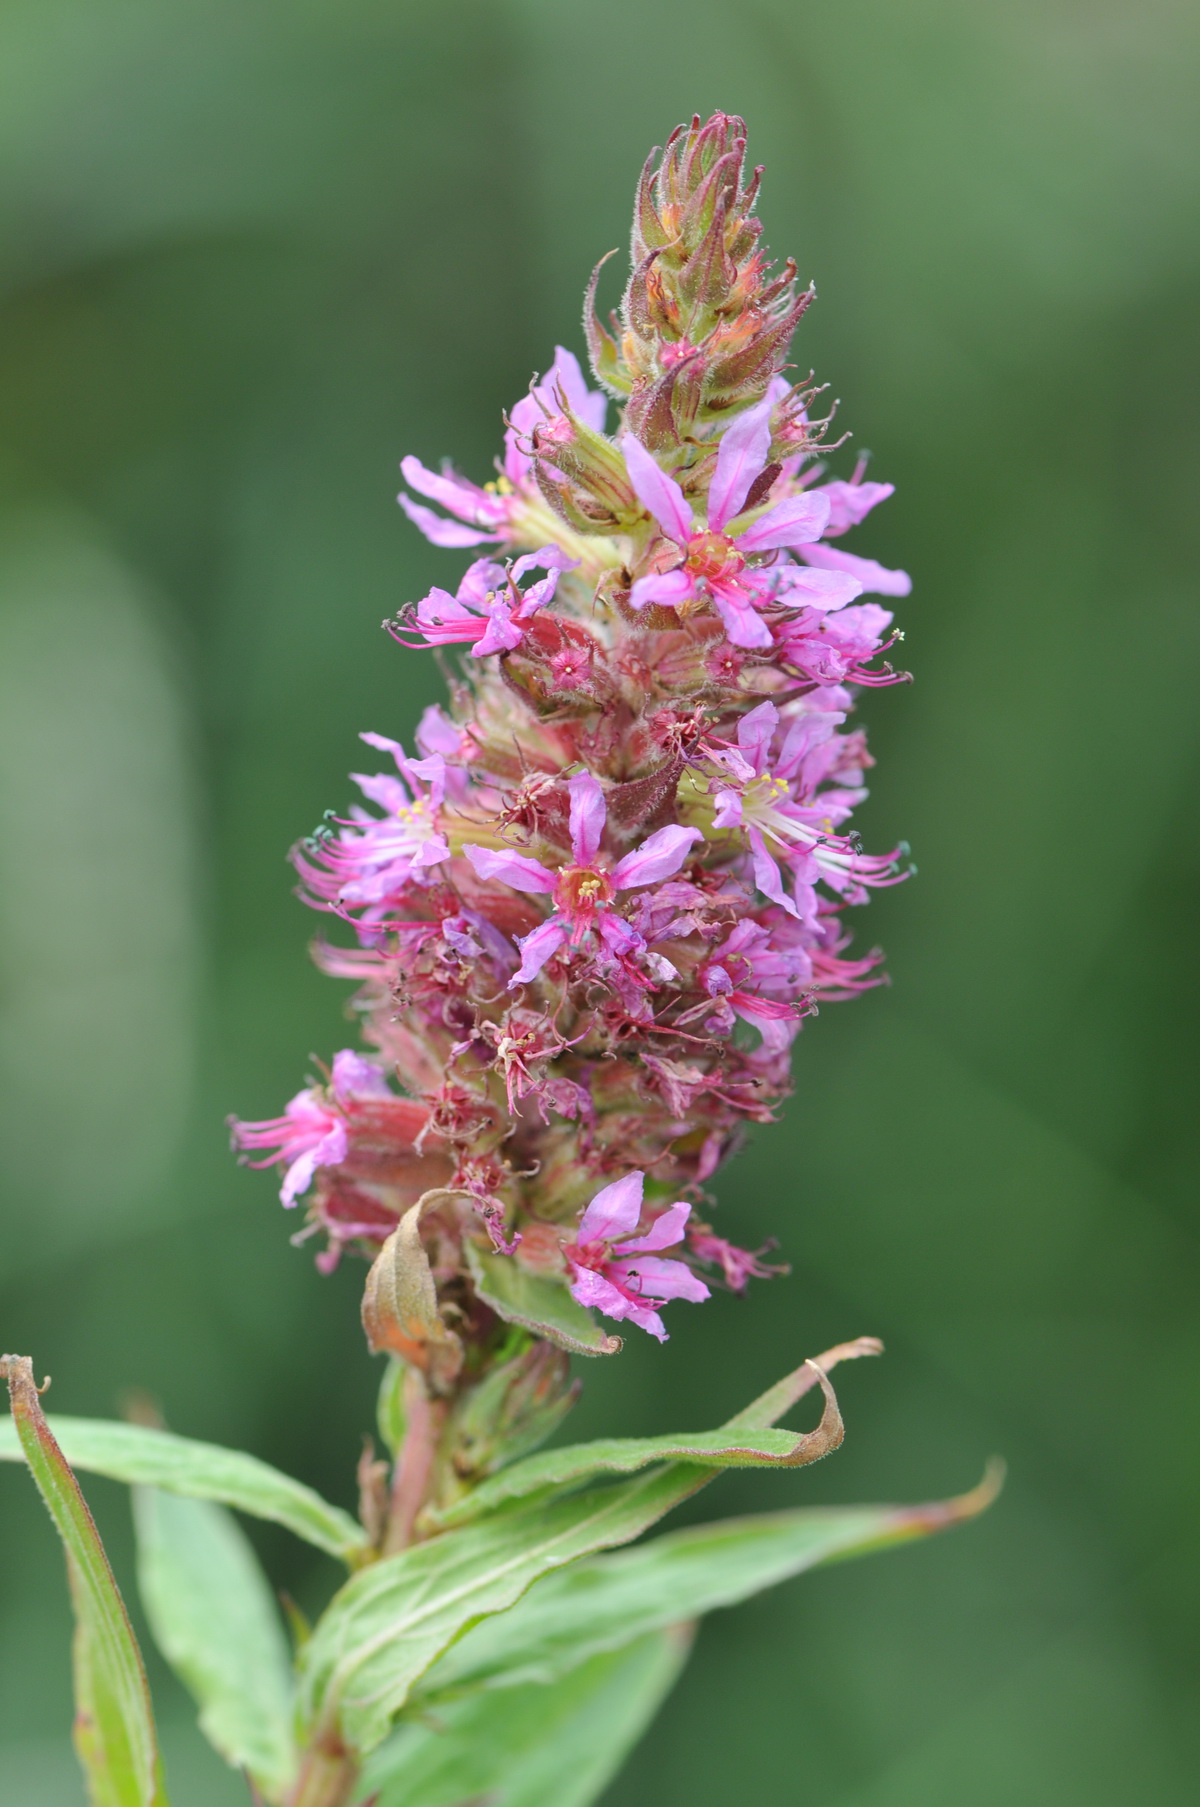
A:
[586,918]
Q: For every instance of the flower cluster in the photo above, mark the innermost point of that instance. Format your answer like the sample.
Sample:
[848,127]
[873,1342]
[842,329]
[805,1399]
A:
[591,911]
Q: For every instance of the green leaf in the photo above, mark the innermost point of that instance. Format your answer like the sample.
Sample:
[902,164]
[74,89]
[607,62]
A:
[603,1604]
[390,1621]
[556,1746]
[216,1622]
[543,1306]
[114,1721]
[204,1471]
[739,1444]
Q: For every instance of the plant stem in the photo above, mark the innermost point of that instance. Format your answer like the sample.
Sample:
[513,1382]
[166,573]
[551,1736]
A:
[327,1776]
[414,1464]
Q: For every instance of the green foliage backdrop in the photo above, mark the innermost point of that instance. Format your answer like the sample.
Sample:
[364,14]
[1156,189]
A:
[252,251]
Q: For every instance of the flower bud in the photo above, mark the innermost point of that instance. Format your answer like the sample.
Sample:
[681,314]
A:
[705,322]
[511,1411]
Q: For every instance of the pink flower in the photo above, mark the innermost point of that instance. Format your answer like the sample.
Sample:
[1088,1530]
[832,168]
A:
[372,859]
[777,800]
[489,609]
[562,383]
[615,1271]
[491,514]
[584,893]
[714,567]
[480,514]
[312,1131]
[850,503]
[737,1265]
[748,959]
[834,648]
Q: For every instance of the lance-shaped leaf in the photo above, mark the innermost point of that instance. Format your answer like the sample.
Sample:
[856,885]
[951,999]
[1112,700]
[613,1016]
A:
[541,1305]
[556,1746]
[390,1622]
[141,1456]
[604,1603]
[739,1444]
[400,1309]
[114,1722]
[216,1622]
[386,1626]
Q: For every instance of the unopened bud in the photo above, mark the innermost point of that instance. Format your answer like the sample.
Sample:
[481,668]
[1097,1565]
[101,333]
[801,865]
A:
[511,1411]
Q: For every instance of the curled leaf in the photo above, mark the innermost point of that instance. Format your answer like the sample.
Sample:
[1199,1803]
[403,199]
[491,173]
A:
[400,1310]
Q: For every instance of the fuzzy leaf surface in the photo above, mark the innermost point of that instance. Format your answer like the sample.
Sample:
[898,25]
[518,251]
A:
[745,1442]
[114,1722]
[543,1306]
[603,1604]
[537,1746]
[204,1471]
[390,1622]
[215,1620]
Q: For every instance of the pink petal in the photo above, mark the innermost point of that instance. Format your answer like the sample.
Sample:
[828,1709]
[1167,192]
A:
[875,579]
[646,1319]
[515,869]
[588,816]
[614,1211]
[791,523]
[616,934]
[436,733]
[660,1279]
[328,1152]
[440,610]
[755,733]
[663,1233]
[850,503]
[382,744]
[659,494]
[456,496]
[549,558]
[767,875]
[501,634]
[661,854]
[798,587]
[482,578]
[744,449]
[440,532]
[536,948]
[668,588]
[728,813]
[590,405]
[593,1290]
[536,597]
[382,788]
[743,624]
[357,1078]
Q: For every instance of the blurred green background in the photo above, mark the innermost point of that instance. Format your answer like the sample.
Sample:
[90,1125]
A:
[251,252]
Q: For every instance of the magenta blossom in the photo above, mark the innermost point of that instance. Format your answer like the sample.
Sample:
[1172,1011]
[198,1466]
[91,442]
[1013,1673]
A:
[739,971]
[372,859]
[714,567]
[620,1273]
[584,893]
[562,384]
[776,799]
[482,515]
[312,1131]
[850,503]
[738,1266]
[489,610]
